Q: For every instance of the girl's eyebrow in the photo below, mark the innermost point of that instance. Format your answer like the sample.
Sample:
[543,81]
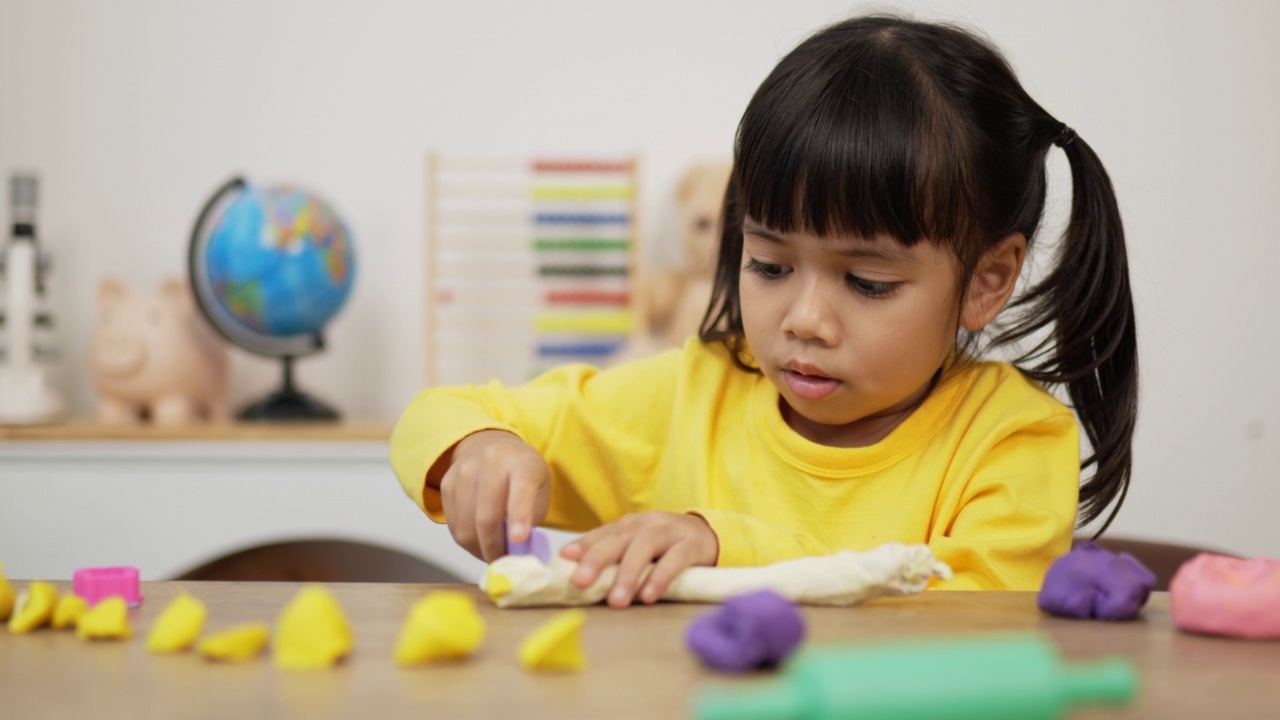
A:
[889,252]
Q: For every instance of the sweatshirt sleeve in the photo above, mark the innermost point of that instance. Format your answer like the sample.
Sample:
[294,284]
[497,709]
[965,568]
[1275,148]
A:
[601,432]
[746,540]
[1018,510]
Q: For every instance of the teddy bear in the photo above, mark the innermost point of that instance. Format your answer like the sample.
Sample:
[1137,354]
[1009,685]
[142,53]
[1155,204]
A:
[673,301]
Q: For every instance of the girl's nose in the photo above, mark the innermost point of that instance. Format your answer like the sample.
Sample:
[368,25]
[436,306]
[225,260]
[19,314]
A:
[811,316]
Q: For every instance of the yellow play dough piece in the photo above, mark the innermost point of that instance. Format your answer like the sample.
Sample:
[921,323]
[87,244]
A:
[556,644]
[34,608]
[108,620]
[7,596]
[441,626]
[68,611]
[236,644]
[497,584]
[312,631]
[179,626]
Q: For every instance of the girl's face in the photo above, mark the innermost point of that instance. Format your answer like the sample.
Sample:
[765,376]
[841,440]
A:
[851,331]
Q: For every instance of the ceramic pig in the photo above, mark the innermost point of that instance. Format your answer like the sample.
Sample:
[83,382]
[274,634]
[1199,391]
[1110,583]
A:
[154,357]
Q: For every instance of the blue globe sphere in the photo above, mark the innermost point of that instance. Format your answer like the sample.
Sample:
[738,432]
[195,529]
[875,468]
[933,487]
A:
[274,264]
[270,267]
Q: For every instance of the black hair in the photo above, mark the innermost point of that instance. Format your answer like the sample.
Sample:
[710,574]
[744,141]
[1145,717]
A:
[884,126]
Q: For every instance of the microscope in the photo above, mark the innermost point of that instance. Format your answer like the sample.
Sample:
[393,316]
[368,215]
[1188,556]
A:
[26,394]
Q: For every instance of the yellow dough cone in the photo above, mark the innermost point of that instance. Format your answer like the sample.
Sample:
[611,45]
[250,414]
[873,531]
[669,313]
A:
[441,626]
[312,631]
[556,644]
[35,608]
[496,584]
[179,626]
[7,596]
[108,620]
[68,611]
[236,644]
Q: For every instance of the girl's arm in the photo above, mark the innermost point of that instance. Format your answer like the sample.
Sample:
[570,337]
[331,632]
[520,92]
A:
[1017,512]
[601,433]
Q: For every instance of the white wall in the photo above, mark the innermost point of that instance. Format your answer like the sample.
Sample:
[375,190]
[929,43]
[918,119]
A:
[133,112]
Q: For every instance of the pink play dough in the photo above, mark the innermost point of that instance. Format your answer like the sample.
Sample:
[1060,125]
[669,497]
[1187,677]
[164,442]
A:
[1220,595]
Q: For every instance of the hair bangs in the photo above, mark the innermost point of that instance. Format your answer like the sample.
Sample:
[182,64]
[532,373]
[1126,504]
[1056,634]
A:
[858,146]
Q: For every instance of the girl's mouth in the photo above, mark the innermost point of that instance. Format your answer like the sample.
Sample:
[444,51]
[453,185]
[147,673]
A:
[810,387]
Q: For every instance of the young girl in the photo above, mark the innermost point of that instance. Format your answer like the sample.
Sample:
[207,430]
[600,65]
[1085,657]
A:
[889,178]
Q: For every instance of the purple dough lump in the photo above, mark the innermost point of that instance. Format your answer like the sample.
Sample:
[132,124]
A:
[1092,582]
[538,545]
[751,631]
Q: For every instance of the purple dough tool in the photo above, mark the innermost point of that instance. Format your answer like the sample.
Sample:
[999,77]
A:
[752,631]
[1093,582]
[538,545]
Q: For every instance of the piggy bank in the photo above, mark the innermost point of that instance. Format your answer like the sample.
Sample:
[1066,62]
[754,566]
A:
[153,357]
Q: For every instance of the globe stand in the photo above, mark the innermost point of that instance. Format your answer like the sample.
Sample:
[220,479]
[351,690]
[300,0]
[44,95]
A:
[288,404]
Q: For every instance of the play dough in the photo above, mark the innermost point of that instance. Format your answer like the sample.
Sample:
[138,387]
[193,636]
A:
[312,631]
[556,645]
[108,620]
[1092,582]
[179,626]
[843,578]
[751,631]
[236,644]
[34,608]
[1219,595]
[68,611]
[441,626]
[7,596]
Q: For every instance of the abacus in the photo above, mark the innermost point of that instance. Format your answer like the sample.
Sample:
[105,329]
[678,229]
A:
[531,264]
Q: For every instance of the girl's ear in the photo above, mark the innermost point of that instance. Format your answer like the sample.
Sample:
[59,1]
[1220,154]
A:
[993,282]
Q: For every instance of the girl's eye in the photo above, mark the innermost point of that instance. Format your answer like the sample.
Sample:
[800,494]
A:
[765,270]
[870,288]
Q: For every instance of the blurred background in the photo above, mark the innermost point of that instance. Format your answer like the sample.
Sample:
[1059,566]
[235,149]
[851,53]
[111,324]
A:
[133,112]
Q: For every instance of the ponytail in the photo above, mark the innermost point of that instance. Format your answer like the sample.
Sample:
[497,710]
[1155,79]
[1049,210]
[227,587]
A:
[1093,349]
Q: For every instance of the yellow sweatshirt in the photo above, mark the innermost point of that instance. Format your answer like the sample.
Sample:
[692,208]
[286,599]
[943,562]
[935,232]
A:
[986,471]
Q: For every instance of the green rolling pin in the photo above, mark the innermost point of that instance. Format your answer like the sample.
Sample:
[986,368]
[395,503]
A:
[987,678]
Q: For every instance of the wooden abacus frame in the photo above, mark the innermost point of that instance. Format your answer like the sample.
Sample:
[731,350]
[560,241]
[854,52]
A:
[530,263]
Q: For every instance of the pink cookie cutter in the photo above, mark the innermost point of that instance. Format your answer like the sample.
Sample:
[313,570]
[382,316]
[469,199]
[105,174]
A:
[97,584]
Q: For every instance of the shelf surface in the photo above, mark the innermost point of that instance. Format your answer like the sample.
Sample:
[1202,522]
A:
[84,430]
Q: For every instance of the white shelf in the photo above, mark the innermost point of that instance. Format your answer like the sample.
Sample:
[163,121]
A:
[169,505]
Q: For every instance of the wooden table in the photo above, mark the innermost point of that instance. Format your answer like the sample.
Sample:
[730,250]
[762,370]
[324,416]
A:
[638,665]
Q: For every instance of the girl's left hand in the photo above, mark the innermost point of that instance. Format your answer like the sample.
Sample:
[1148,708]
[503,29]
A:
[675,541]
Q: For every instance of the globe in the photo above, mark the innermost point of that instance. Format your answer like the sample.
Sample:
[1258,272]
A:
[270,268]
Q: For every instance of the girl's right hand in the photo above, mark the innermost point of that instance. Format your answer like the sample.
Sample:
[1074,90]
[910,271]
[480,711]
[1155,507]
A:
[494,476]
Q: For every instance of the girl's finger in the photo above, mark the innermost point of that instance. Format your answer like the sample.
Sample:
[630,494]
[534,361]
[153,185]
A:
[572,551]
[673,562]
[522,499]
[491,506]
[644,547]
[457,494]
[577,549]
[603,552]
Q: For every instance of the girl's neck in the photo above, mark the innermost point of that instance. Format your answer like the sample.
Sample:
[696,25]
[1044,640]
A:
[864,432]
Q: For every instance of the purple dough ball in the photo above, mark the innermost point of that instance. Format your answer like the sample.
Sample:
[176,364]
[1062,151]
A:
[751,631]
[538,545]
[1092,582]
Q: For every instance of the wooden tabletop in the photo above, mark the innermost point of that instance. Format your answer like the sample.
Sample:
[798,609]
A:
[638,667]
[84,430]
